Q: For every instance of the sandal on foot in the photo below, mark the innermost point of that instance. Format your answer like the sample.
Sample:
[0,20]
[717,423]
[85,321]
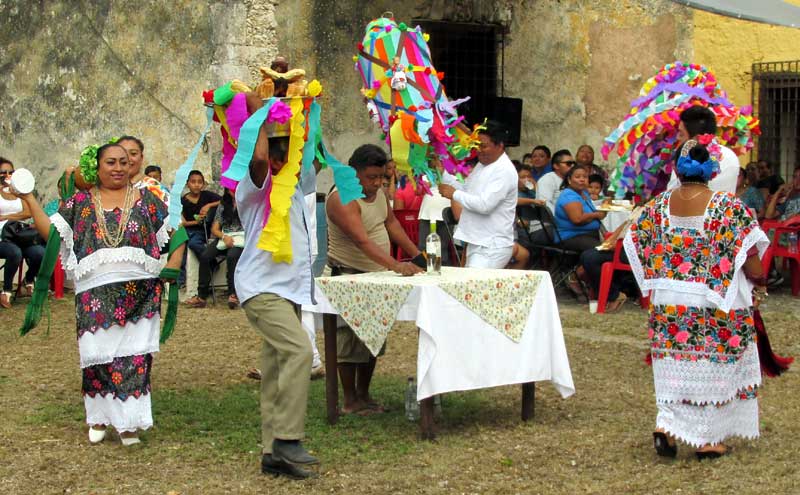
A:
[662,446]
[712,454]
[233,301]
[195,302]
[615,305]
[96,436]
[5,299]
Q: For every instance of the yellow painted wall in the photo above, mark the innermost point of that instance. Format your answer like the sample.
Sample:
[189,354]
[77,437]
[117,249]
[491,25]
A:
[729,47]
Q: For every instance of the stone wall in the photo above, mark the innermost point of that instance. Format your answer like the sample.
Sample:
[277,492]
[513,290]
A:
[78,72]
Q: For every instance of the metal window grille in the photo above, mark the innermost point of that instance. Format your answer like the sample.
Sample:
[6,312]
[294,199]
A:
[776,102]
[467,53]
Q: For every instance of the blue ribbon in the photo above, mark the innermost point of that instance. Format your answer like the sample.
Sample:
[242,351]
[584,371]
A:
[182,175]
[688,167]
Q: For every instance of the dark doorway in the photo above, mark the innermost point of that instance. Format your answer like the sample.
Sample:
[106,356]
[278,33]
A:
[776,101]
[468,55]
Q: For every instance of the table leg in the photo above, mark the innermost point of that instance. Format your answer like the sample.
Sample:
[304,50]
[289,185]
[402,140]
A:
[427,427]
[528,398]
[331,368]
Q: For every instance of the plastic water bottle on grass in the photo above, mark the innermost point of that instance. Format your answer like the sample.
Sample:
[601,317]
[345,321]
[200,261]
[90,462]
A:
[412,406]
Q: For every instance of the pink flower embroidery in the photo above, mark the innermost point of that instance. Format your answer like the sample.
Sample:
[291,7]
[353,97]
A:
[85,297]
[95,304]
[685,267]
[725,264]
[138,360]
[734,341]
[119,313]
[682,336]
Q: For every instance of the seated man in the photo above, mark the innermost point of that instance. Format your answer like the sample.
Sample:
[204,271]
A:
[359,236]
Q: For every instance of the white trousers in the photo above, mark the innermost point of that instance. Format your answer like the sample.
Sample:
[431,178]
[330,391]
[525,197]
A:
[486,257]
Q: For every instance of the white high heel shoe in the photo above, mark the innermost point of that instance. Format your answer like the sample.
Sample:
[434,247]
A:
[97,436]
[128,441]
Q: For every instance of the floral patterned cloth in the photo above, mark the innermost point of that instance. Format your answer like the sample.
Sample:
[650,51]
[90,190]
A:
[501,298]
[701,327]
[123,377]
[115,303]
[369,302]
[704,261]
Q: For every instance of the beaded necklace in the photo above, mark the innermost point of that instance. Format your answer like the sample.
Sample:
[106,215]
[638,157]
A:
[125,215]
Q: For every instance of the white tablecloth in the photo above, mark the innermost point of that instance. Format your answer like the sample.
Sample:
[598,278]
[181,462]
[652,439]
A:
[458,350]
[614,219]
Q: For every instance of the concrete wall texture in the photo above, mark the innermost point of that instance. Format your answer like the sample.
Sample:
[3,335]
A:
[78,72]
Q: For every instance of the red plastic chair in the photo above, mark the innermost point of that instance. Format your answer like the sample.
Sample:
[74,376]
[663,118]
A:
[607,273]
[774,250]
[410,222]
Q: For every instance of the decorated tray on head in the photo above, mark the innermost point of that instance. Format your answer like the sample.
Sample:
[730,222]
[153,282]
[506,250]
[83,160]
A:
[642,144]
[290,109]
[405,96]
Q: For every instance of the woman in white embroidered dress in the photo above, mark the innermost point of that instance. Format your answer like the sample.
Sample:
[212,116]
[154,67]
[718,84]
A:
[111,239]
[698,253]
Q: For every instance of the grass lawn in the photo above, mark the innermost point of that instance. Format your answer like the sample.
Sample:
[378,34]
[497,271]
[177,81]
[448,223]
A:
[207,425]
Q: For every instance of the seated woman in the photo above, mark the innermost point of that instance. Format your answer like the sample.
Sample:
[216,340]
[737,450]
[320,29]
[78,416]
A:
[747,191]
[407,197]
[577,220]
[228,237]
[785,203]
[12,208]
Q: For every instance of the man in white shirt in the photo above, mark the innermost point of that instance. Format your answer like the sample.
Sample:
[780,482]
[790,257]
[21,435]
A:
[549,186]
[698,120]
[489,200]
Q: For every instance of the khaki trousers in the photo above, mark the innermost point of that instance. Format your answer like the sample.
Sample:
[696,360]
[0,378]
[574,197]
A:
[285,367]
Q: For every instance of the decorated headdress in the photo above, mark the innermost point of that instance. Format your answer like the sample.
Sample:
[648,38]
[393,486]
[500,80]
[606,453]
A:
[642,143]
[405,97]
[298,116]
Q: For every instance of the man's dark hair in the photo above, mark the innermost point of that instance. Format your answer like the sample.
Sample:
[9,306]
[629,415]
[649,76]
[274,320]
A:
[6,160]
[699,120]
[596,179]
[543,148]
[196,172]
[526,156]
[558,154]
[229,213]
[134,139]
[497,132]
[152,168]
[278,148]
[367,155]
[520,166]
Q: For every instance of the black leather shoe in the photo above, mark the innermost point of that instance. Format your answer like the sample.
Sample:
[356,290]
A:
[281,468]
[292,451]
[663,448]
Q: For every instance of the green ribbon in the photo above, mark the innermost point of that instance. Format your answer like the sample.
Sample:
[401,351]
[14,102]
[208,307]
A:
[41,288]
[171,317]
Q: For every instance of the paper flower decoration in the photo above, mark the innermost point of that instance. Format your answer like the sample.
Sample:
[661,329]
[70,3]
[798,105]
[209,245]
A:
[642,144]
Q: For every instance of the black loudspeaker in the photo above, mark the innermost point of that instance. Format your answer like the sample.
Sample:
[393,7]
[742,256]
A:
[508,111]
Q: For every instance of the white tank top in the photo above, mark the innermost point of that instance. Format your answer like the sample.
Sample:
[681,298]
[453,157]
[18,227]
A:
[8,207]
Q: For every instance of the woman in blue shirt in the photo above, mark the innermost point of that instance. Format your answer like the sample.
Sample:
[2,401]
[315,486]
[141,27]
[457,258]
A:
[577,220]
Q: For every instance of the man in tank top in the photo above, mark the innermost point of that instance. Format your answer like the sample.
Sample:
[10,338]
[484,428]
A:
[359,236]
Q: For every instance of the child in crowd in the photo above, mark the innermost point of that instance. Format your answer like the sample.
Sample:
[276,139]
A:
[196,205]
[153,171]
[596,187]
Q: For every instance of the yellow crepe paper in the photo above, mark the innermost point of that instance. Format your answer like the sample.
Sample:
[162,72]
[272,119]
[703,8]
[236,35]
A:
[400,147]
[314,88]
[276,237]
[223,121]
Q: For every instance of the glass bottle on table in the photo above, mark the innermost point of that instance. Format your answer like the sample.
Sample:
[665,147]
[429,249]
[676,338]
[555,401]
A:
[433,251]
